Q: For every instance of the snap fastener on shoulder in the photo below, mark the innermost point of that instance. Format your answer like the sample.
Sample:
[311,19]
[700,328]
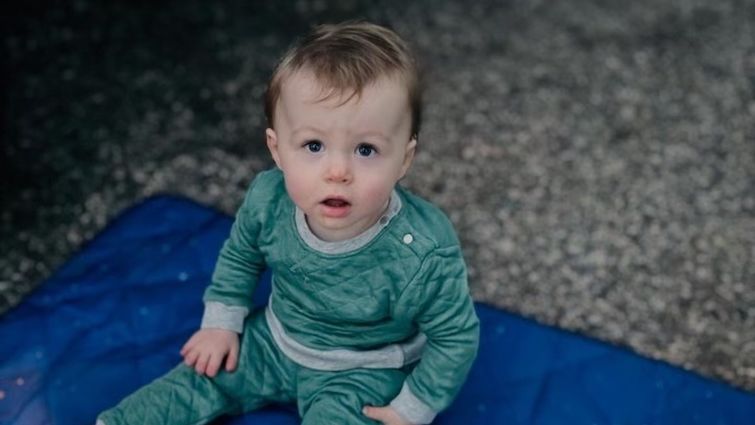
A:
[408,238]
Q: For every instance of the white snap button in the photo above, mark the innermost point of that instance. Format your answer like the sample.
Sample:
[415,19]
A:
[408,238]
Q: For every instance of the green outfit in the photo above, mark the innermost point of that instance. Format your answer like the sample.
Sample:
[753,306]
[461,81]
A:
[346,324]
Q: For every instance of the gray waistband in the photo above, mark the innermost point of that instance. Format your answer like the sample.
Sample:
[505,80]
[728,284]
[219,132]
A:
[391,356]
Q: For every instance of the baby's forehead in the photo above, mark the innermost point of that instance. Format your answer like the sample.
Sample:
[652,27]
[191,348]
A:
[304,85]
[307,102]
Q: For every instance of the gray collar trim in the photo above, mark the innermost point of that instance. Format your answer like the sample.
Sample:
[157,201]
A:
[341,247]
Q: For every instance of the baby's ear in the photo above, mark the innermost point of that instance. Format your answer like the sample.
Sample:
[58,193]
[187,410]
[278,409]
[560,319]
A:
[272,145]
[411,147]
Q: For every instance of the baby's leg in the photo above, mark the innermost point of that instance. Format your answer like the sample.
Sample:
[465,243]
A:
[182,396]
[328,398]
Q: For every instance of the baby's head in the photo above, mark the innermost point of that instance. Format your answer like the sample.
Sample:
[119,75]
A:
[344,59]
[343,111]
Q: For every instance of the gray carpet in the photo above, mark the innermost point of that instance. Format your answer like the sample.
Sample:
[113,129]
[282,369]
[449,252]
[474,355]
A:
[597,157]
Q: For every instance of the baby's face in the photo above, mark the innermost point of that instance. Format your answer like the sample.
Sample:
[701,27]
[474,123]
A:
[341,160]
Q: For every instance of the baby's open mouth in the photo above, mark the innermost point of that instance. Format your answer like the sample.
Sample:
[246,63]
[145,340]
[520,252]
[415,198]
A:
[335,203]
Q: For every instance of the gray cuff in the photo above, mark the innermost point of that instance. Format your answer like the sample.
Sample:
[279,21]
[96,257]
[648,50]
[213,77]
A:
[412,409]
[220,316]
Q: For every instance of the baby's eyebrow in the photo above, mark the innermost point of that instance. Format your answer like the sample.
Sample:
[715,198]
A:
[376,134]
[307,129]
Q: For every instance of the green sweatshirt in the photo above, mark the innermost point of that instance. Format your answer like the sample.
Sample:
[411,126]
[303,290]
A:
[402,278]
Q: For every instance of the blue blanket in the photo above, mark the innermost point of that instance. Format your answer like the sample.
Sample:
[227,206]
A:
[115,315]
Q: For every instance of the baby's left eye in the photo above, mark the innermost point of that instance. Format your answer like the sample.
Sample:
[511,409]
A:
[366,150]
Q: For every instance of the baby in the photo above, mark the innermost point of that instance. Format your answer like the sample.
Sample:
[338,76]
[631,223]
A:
[370,318]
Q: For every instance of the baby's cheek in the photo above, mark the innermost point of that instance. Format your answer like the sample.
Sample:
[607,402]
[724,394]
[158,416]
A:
[378,194]
[299,191]
[380,188]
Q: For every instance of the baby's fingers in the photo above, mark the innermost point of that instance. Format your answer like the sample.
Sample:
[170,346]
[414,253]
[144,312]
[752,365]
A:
[185,349]
[188,345]
[190,357]
[233,358]
[201,365]
[213,364]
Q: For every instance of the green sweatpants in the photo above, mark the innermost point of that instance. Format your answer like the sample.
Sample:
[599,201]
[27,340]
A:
[264,375]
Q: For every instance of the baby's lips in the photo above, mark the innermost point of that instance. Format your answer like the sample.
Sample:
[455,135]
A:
[335,202]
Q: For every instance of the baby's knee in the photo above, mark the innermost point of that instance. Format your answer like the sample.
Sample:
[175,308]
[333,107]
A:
[340,397]
[335,410]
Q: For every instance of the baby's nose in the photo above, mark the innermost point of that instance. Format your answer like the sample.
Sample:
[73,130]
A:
[338,170]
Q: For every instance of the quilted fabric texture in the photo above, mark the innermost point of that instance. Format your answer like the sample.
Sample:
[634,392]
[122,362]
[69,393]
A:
[264,374]
[114,317]
[362,299]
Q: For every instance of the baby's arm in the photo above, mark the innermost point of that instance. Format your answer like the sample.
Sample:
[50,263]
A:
[228,298]
[443,309]
[218,339]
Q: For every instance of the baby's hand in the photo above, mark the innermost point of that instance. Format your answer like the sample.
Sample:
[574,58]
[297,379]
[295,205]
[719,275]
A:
[207,348]
[385,415]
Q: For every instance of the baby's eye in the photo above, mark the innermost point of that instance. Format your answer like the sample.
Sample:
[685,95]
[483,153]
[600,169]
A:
[313,146]
[366,150]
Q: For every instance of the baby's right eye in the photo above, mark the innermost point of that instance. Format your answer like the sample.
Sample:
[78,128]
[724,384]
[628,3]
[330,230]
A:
[313,146]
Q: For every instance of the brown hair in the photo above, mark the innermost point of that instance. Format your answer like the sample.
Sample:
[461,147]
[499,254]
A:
[346,58]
